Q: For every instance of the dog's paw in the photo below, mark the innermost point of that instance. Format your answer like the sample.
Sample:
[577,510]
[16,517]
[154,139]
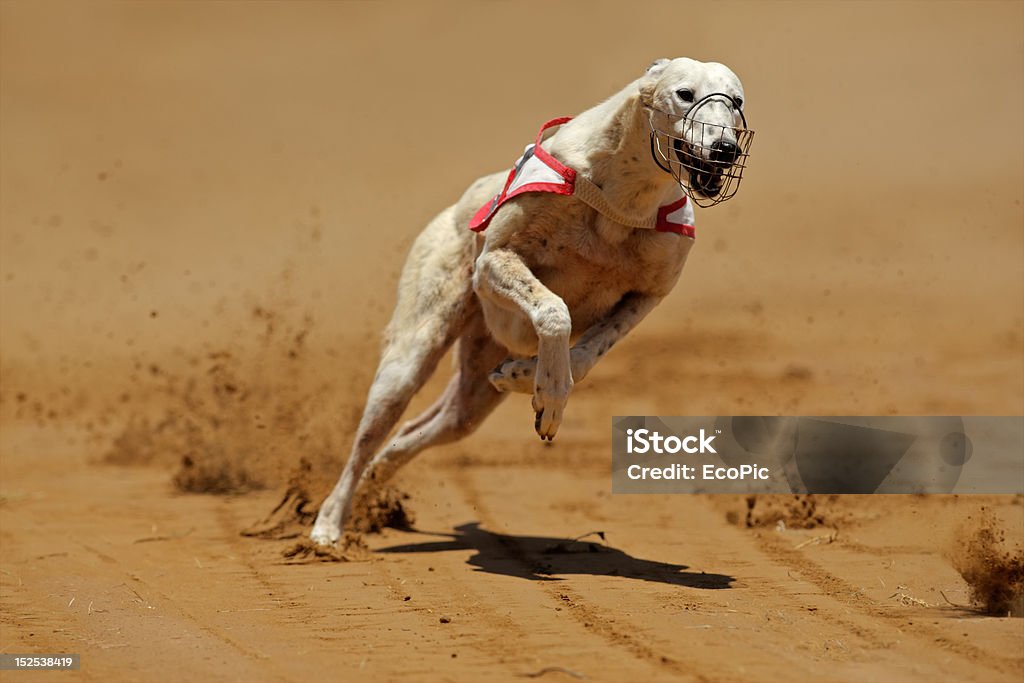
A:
[327,527]
[549,399]
[324,536]
[514,376]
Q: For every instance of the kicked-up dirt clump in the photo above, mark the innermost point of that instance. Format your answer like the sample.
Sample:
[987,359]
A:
[214,475]
[380,508]
[798,511]
[235,418]
[292,517]
[994,574]
[351,548]
[295,512]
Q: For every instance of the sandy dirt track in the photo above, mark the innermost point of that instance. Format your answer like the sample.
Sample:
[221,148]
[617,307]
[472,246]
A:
[203,211]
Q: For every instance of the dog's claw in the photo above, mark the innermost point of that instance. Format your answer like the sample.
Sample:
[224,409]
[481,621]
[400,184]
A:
[536,425]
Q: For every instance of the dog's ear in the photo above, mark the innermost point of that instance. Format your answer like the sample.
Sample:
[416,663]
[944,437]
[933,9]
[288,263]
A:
[649,81]
[655,69]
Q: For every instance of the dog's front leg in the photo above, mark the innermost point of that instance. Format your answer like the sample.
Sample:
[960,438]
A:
[503,278]
[513,375]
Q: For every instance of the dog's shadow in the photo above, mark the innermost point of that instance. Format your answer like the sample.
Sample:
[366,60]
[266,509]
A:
[542,558]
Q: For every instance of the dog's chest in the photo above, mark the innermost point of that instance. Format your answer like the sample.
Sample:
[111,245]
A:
[590,274]
[581,261]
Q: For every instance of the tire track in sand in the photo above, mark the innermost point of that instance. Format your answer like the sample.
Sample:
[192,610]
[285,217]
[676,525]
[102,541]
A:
[170,602]
[840,590]
[589,618]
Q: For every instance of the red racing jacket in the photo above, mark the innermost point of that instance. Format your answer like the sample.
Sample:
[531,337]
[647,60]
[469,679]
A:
[537,171]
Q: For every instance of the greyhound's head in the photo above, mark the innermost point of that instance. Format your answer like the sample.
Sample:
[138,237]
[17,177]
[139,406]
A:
[698,131]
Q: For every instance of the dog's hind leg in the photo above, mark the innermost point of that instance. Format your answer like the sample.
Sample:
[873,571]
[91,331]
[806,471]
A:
[435,301]
[468,399]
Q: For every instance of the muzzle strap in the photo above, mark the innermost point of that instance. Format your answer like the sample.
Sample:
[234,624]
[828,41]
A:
[654,156]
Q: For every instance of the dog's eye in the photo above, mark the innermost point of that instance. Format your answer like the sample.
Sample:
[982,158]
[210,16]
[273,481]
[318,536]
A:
[738,101]
[685,95]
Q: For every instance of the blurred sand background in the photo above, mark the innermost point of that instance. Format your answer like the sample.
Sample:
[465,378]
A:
[182,157]
[181,179]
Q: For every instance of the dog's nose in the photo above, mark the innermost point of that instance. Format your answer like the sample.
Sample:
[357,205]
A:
[724,153]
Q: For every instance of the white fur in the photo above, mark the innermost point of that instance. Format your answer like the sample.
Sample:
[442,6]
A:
[542,294]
